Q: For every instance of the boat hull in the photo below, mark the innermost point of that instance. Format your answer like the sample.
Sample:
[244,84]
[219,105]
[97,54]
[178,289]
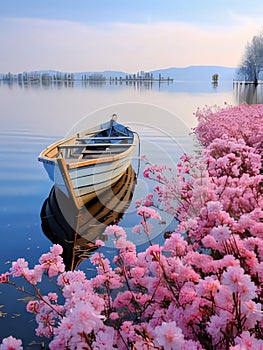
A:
[82,167]
[89,181]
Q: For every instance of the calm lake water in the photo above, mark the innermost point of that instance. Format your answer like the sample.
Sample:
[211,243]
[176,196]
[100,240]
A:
[35,116]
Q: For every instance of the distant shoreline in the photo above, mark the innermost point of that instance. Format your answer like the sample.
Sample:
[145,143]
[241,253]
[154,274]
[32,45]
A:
[191,73]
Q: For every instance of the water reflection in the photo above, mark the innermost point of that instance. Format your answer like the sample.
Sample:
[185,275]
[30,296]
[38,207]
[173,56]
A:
[136,84]
[77,230]
[248,92]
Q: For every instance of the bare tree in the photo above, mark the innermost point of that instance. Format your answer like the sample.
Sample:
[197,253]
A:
[252,61]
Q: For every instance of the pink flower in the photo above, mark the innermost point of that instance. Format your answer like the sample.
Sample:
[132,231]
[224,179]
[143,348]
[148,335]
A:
[126,326]
[121,243]
[123,299]
[4,277]
[115,230]
[214,207]
[56,249]
[169,336]
[53,262]
[137,273]
[33,276]
[217,325]
[114,315]
[11,343]
[104,339]
[19,267]
[99,243]
[137,229]
[252,313]
[237,281]
[52,296]
[33,306]
[56,269]
[247,342]
[148,213]
[176,245]
[187,294]
[220,233]
[71,277]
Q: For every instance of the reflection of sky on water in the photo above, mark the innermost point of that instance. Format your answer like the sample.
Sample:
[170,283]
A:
[54,111]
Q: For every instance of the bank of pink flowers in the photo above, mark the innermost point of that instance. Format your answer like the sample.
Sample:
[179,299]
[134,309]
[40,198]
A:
[202,289]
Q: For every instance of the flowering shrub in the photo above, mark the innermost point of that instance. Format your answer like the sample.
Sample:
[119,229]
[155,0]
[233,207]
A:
[202,289]
[244,121]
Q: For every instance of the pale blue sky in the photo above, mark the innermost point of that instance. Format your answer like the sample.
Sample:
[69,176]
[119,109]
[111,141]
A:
[93,35]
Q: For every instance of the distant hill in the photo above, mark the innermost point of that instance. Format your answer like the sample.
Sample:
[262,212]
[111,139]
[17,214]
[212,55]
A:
[197,73]
[191,73]
[107,74]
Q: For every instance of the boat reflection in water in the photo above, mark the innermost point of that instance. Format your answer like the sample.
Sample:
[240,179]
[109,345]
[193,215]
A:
[76,230]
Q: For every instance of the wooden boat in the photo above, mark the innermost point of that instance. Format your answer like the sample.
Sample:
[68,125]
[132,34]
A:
[77,230]
[88,162]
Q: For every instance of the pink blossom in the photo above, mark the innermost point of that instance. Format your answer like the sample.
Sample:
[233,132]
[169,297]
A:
[218,324]
[33,276]
[176,244]
[137,229]
[214,207]
[4,277]
[114,315]
[148,213]
[99,243]
[11,343]
[252,312]
[115,230]
[71,277]
[137,273]
[56,249]
[259,270]
[33,306]
[52,296]
[53,270]
[53,262]
[19,267]
[247,342]
[237,281]
[220,233]
[104,339]
[121,243]
[81,318]
[130,258]
[127,331]
[192,345]
[187,293]
[123,299]
[169,336]
[209,241]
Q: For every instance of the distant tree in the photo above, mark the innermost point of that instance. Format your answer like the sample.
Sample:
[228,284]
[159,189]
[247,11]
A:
[215,78]
[252,61]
